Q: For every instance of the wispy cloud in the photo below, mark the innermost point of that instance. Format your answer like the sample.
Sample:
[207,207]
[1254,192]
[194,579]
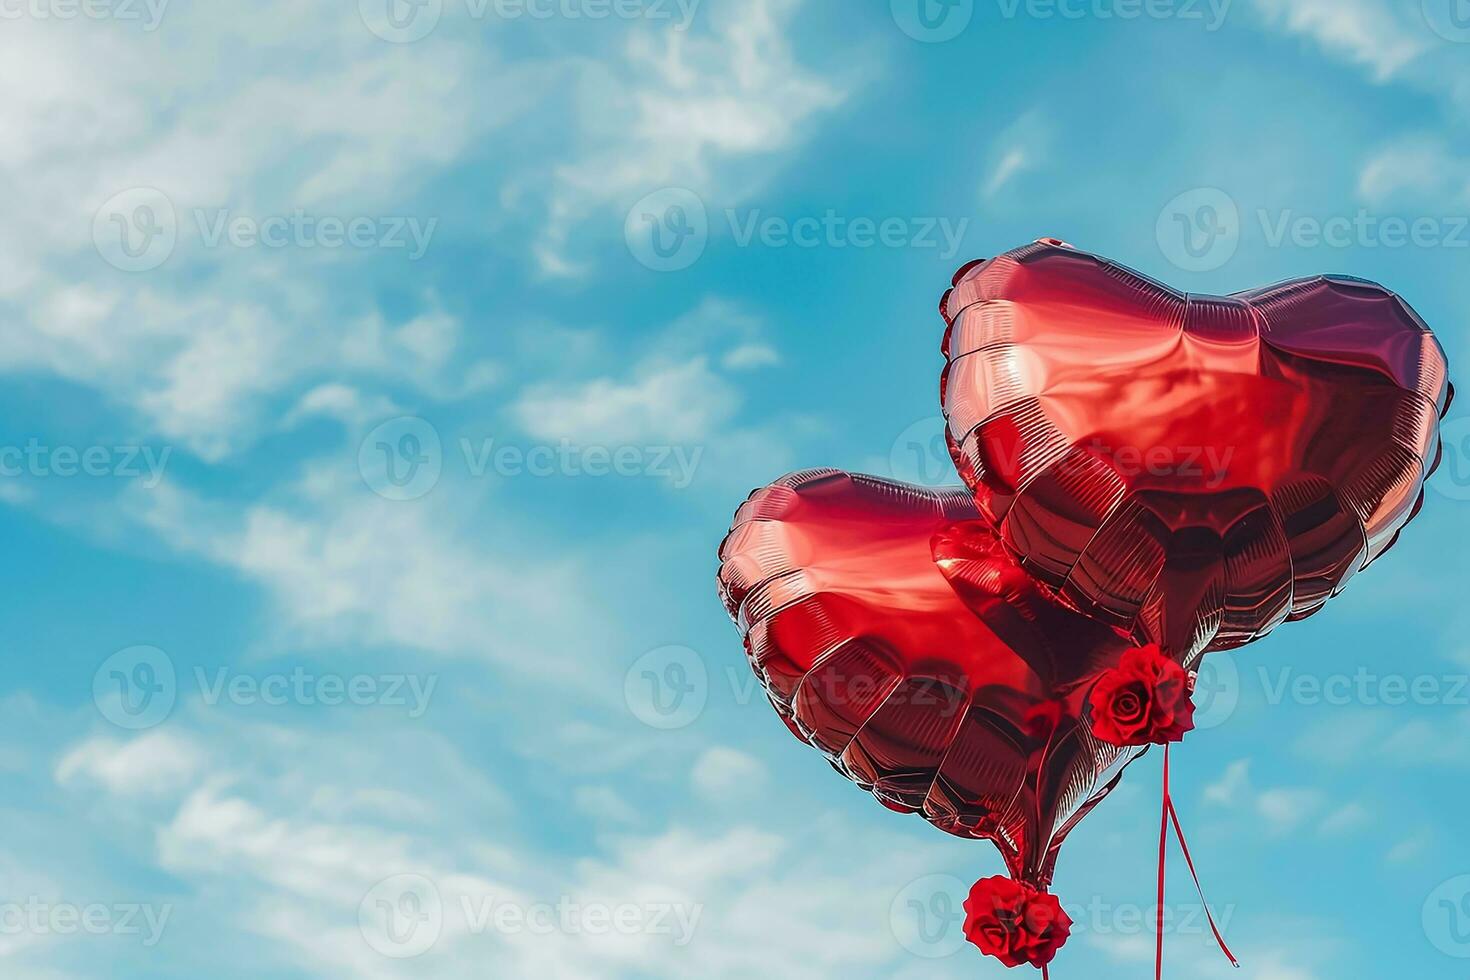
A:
[684,109]
[1364,32]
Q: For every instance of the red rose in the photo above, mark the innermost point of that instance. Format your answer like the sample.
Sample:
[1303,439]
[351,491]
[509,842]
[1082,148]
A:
[1015,922]
[1144,700]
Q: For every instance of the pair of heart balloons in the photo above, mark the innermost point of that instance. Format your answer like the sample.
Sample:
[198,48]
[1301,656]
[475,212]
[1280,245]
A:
[1139,466]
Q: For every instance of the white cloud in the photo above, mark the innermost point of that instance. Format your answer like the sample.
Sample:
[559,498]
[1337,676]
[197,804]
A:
[684,109]
[1284,808]
[1281,808]
[723,773]
[750,356]
[342,402]
[604,803]
[1418,169]
[260,857]
[342,565]
[1409,848]
[313,114]
[680,402]
[1231,786]
[1020,147]
[1365,32]
[1012,162]
[1346,819]
[674,393]
[149,764]
[1351,738]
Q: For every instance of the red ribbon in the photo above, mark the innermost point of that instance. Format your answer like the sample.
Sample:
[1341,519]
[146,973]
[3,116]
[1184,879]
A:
[1171,815]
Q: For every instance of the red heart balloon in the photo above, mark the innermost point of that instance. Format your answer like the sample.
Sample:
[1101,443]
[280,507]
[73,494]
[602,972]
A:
[1192,469]
[894,632]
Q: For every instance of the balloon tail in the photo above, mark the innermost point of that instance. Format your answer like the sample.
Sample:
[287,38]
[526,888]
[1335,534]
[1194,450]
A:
[1163,855]
[1171,816]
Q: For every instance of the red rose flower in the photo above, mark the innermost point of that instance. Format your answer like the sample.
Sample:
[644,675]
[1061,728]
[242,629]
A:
[1015,922]
[1144,700]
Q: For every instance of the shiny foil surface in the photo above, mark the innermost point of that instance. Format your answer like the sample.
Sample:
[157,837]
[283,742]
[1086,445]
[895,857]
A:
[1191,469]
[895,633]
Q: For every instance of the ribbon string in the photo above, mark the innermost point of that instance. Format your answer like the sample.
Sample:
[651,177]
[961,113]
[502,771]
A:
[1171,816]
[1163,855]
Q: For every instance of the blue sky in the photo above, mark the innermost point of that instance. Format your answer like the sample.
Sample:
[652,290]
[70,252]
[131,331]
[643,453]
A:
[381,381]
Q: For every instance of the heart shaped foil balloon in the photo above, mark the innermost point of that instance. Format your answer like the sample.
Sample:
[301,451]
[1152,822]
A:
[894,632]
[1191,469]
